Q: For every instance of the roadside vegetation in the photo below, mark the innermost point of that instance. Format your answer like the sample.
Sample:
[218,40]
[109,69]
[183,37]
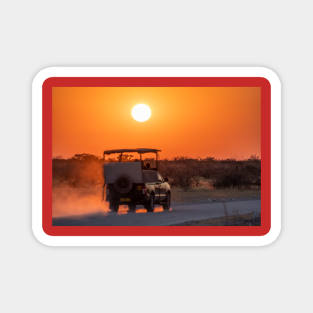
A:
[190,179]
[235,220]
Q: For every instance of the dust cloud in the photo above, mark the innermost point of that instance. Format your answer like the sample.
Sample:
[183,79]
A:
[69,201]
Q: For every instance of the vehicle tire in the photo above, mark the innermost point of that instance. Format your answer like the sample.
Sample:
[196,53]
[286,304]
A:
[123,184]
[114,205]
[132,207]
[167,204]
[150,204]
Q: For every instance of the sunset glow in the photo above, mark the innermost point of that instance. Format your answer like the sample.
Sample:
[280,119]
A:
[222,122]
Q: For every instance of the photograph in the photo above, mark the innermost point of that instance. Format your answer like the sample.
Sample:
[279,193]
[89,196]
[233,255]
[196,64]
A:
[156,156]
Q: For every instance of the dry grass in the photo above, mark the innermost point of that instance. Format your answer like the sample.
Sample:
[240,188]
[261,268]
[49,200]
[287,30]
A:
[199,195]
[236,220]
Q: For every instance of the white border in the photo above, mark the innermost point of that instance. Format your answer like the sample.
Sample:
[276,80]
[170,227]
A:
[156,72]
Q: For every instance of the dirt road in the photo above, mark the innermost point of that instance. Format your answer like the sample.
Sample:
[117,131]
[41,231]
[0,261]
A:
[178,214]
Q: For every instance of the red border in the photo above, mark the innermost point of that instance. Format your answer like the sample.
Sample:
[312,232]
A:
[157,82]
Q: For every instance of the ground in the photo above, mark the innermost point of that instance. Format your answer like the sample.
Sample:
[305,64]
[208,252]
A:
[199,195]
[187,207]
[249,219]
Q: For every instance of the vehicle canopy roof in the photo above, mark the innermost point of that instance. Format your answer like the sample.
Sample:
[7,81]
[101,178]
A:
[138,150]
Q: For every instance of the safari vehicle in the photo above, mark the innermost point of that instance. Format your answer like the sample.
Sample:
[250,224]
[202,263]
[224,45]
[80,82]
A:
[134,182]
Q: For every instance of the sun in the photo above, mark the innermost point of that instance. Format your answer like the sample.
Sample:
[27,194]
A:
[141,112]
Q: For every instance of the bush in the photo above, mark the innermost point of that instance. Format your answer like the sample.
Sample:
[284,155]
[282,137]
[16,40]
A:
[86,170]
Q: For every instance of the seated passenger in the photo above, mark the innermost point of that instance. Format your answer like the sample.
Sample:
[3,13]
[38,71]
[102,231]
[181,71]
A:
[147,166]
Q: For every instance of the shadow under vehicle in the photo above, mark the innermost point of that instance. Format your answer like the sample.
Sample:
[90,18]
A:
[134,182]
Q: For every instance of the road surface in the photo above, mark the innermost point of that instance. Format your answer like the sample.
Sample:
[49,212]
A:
[179,213]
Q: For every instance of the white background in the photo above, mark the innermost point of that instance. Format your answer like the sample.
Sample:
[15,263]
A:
[37,34]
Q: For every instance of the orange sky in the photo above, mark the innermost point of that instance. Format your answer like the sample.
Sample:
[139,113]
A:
[223,122]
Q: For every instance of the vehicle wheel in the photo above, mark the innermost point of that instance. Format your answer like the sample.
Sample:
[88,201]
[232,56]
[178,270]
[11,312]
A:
[123,184]
[114,205]
[132,207]
[150,204]
[167,204]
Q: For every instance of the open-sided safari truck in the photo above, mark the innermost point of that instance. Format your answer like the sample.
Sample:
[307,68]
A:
[134,181]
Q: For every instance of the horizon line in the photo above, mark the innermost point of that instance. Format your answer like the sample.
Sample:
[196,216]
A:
[252,156]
